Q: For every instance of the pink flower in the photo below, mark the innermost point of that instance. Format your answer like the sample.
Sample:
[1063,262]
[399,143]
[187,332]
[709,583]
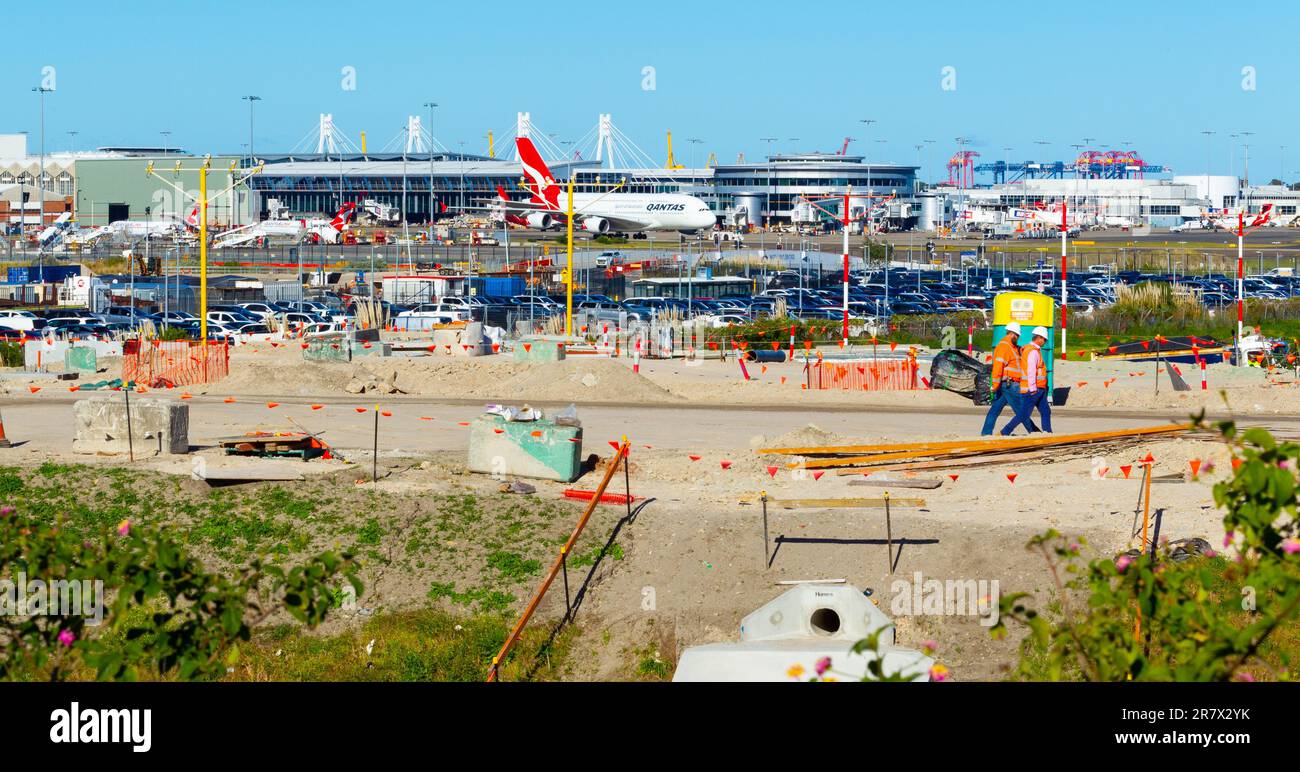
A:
[66,637]
[1123,562]
[123,528]
[1245,677]
[938,673]
[1210,553]
[1284,464]
[1227,538]
[6,510]
[822,665]
[929,647]
[1291,546]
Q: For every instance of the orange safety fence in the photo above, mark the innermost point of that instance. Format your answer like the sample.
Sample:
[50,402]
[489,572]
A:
[159,364]
[864,375]
[560,561]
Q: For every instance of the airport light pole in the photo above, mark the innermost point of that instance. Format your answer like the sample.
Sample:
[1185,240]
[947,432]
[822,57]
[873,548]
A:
[767,205]
[431,106]
[694,144]
[251,98]
[40,186]
[166,135]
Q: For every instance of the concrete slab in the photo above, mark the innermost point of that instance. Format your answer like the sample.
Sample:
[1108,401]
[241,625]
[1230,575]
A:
[157,426]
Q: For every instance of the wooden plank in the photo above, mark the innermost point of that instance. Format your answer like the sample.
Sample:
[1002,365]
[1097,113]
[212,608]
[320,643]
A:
[923,483]
[983,444]
[837,503]
[982,460]
[878,458]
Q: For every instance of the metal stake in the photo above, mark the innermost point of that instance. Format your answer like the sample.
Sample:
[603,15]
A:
[889,535]
[130,441]
[564,564]
[767,552]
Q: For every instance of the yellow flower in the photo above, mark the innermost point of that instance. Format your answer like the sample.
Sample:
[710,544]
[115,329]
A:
[795,671]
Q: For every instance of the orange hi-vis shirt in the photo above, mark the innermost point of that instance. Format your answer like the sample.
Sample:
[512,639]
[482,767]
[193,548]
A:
[1006,363]
[1032,366]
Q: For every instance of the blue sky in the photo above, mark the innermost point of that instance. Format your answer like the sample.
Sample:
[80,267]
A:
[1152,74]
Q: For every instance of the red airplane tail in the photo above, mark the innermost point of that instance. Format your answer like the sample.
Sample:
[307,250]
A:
[541,183]
[346,214]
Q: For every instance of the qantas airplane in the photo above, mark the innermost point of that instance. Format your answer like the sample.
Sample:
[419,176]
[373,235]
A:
[598,212]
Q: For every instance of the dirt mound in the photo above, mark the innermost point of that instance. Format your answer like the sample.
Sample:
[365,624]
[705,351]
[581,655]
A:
[594,380]
[808,436]
[269,376]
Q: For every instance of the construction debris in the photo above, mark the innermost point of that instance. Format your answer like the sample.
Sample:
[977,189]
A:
[276,444]
[938,455]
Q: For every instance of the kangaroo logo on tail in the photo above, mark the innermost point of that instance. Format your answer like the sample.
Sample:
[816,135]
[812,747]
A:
[346,214]
[543,186]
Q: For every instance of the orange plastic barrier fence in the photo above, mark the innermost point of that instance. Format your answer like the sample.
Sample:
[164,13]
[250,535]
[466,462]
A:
[868,375]
[159,364]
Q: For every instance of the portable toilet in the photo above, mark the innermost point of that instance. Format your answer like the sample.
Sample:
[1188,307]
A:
[1030,310]
[798,628]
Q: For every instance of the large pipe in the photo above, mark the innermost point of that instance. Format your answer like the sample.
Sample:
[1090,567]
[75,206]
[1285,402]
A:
[765,356]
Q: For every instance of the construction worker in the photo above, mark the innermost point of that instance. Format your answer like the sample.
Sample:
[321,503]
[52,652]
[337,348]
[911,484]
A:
[1033,385]
[1006,378]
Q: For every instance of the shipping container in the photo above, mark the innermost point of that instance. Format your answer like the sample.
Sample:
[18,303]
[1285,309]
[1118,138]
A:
[48,274]
[498,286]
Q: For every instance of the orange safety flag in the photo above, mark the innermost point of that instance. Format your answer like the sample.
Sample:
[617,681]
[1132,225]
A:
[1012,477]
[726,464]
[317,407]
[694,458]
[228,400]
[817,475]
[386,414]
[771,470]
[34,388]
[272,404]
[426,418]
[359,409]
[954,477]
[1126,470]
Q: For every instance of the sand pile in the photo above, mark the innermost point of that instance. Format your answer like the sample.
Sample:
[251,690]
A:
[590,380]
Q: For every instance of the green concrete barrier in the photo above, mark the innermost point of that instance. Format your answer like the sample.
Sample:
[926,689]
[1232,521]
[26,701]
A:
[331,349]
[538,449]
[539,350]
[80,359]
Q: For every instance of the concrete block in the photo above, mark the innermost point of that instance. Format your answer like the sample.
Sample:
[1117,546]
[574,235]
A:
[158,426]
[555,453]
[333,347]
[38,354]
[540,350]
[80,359]
[368,349]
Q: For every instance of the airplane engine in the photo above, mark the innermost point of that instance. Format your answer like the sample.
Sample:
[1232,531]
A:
[596,225]
[539,220]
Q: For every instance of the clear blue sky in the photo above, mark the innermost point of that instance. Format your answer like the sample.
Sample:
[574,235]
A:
[727,73]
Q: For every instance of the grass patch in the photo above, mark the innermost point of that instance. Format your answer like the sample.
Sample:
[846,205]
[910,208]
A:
[423,645]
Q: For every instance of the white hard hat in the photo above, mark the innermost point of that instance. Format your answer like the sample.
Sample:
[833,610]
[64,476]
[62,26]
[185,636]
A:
[1014,327]
[1040,332]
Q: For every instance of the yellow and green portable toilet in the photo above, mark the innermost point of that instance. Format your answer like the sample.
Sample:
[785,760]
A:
[1030,310]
